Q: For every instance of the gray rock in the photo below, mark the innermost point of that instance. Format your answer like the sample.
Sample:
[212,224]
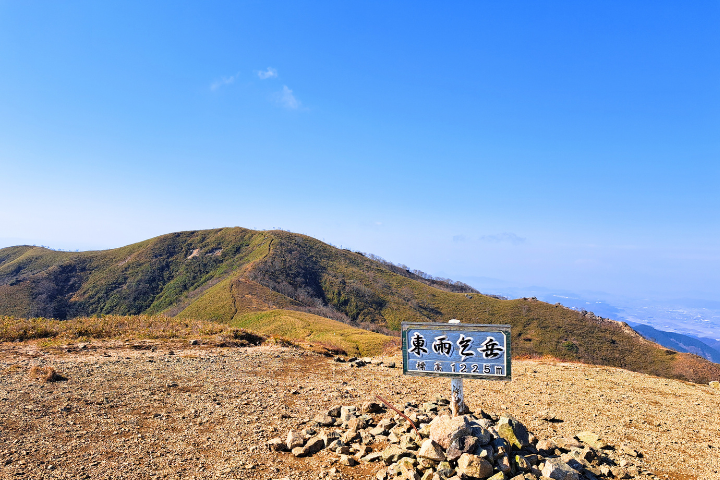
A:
[324,420]
[277,445]
[592,440]
[461,445]
[428,475]
[371,407]
[329,437]
[472,466]
[485,451]
[350,436]
[386,423]
[312,446]
[548,416]
[514,432]
[627,450]
[424,430]
[372,457]
[546,447]
[619,472]
[501,446]
[426,463]
[522,463]
[484,422]
[503,464]
[568,443]
[393,453]
[407,442]
[482,434]
[347,460]
[444,429]
[573,462]
[347,412]
[559,470]
[432,451]
[357,423]
[407,468]
[445,470]
[294,439]
[584,456]
[366,438]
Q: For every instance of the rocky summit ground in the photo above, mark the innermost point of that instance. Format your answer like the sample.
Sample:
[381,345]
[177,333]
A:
[144,410]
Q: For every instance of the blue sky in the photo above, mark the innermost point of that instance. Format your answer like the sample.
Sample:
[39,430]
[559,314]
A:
[569,145]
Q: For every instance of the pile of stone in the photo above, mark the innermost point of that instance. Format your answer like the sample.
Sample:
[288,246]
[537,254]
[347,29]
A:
[354,362]
[465,447]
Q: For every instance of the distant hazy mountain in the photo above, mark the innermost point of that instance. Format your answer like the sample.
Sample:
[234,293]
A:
[711,342]
[679,342]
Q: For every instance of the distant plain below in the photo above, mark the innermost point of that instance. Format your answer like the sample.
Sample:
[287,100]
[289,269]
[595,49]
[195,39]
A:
[698,318]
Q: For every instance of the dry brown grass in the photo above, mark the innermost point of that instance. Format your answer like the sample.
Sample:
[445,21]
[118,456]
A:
[45,374]
[154,327]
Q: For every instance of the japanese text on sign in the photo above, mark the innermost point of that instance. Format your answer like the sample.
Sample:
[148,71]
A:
[461,350]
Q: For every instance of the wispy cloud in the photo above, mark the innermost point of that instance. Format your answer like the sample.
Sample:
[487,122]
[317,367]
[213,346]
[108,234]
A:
[223,81]
[503,237]
[285,98]
[269,73]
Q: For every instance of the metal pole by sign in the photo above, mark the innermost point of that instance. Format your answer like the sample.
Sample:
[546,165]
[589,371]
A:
[457,396]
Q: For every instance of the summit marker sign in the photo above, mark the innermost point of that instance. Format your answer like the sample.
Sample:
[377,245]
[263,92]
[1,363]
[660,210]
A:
[456,350]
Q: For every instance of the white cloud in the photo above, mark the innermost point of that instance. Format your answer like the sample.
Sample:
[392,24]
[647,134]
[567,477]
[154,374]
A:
[269,73]
[503,237]
[285,98]
[222,82]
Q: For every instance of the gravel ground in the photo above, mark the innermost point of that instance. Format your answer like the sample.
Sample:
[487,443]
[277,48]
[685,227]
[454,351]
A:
[148,410]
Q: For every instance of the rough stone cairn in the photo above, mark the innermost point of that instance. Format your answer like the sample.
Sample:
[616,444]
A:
[465,447]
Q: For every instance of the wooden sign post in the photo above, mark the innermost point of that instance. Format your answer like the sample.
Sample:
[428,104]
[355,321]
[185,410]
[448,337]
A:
[458,351]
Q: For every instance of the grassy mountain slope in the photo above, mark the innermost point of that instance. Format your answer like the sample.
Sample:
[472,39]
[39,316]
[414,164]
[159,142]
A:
[230,274]
[301,326]
[146,277]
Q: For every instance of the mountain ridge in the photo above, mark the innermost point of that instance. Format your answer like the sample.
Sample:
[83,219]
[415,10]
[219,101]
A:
[226,274]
